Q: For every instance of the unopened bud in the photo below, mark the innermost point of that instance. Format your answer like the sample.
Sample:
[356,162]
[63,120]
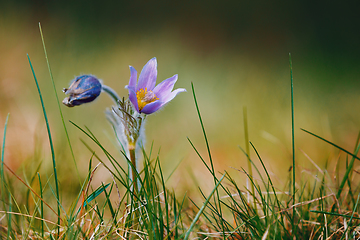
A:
[83,89]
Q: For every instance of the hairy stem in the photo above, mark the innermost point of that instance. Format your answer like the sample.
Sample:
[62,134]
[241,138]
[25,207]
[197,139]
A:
[134,169]
[111,93]
[135,184]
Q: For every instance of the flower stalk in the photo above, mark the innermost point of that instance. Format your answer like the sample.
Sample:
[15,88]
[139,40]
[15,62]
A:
[134,169]
[111,93]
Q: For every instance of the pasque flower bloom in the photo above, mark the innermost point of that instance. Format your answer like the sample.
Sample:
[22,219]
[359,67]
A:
[83,89]
[144,95]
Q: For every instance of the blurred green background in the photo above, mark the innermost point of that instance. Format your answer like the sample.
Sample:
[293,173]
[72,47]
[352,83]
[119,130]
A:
[235,53]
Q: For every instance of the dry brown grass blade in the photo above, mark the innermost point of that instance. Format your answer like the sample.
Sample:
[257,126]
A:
[307,202]
[8,168]
[30,216]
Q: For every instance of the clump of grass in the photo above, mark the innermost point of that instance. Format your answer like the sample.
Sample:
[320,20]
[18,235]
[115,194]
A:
[322,208]
[312,210]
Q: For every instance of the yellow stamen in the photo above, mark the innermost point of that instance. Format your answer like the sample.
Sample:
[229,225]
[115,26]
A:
[145,97]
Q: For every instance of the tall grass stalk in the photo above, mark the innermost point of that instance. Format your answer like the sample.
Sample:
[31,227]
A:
[3,147]
[187,234]
[217,203]
[345,233]
[2,163]
[270,182]
[331,143]
[293,143]
[247,147]
[3,183]
[58,103]
[41,206]
[51,147]
[9,232]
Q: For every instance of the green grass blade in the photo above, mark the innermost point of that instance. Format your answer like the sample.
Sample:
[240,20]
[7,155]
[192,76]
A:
[337,146]
[41,207]
[177,165]
[28,192]
[175,213]
[271,184]
[252,163]
[111,159]
[108,202]
[187,234]
[51,144]
[58,102]
[92,196]
[81,191]
[199,155]
[334,214]
[348,169]
[96,193]
[165,197]
[2,163]
[347,173]
[293,143]
[351,218]
[9,232]
[351,193]
[3,148]
[247,147]
[218,206]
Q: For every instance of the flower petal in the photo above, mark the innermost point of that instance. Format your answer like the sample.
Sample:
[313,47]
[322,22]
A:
[171,96]
[133,77]
[132,97]
[152,107]
[165,87]
[147,78]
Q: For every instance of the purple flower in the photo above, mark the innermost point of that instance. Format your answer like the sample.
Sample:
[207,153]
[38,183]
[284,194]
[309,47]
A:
[83,89]
[145,97]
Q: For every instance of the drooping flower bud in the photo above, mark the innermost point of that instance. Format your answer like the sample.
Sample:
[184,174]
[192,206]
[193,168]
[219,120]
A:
[83,89]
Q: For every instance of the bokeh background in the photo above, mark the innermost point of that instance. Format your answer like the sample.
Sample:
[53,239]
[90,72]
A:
[236,53]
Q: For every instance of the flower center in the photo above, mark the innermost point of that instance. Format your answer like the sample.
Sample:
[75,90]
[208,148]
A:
[144,97]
